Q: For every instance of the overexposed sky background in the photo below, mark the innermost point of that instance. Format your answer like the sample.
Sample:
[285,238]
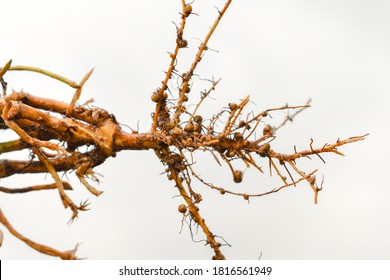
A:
[335,52]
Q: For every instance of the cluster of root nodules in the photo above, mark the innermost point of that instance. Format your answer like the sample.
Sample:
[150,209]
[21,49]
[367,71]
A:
[243,136]
[233,134]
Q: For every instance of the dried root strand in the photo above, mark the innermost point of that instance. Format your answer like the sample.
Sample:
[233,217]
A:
[197,59]
[327,148]
[197,218]
[77,94]
[66,185]
[44,249]
[67,202]
[180,43]
[246,196]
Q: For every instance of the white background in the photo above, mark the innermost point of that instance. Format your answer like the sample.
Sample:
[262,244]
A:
[335,52]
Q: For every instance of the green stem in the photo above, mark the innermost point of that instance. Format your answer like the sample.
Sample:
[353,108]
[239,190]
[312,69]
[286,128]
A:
[11,146]
[44,72]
